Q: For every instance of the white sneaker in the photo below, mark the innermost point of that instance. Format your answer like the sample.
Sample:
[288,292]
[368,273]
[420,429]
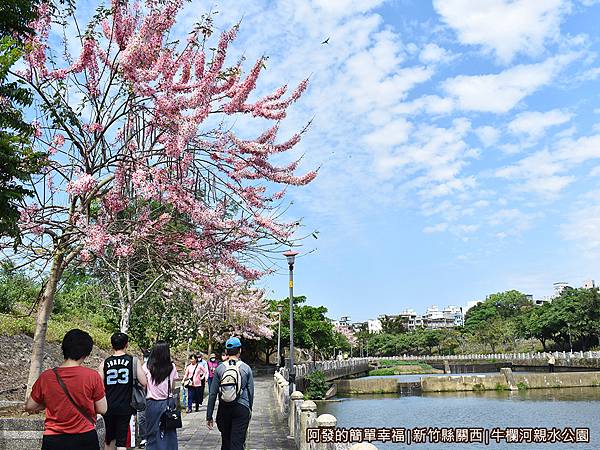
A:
[142,443]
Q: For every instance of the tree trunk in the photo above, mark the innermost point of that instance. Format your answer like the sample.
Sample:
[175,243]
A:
[125,318]
[209,338]
[41,324]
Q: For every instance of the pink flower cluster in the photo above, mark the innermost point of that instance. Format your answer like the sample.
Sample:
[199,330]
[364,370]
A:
[82,185]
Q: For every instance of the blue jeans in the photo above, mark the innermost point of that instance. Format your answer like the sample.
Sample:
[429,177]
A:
[194,396]
[158,439]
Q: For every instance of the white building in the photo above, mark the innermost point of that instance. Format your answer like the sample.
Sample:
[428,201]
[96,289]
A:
[450,316]
[560,287]
[374,326]
[588,284]
[411,319]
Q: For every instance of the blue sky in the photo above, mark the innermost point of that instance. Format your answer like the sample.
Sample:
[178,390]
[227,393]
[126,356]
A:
[458,144]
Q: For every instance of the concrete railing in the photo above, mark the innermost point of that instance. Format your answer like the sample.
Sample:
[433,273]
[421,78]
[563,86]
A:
[302,415]
[487,356]
[332,369]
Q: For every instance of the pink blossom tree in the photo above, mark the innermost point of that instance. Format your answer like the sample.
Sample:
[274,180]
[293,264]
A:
[134,119]
[224,303]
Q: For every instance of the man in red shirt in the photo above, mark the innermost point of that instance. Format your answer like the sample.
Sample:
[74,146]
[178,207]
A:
[71,408]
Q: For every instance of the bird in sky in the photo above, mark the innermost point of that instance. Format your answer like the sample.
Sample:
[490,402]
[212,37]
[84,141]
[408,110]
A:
[326,41]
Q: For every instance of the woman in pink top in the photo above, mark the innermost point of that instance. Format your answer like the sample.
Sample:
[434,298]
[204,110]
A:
[161,374]
[195,374]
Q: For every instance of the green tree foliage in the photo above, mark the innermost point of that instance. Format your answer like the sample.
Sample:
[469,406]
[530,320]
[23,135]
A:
[171,320]
[17,160]
[316,386]
[15,288]
[15,16]
[393,324]
[312,330]
[571,320]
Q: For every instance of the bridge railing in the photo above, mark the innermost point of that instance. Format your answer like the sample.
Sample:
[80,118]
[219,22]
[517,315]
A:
[302,415]
[331,368]
[502,356]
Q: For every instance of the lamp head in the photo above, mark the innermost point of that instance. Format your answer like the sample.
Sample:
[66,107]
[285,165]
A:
[280,308]
[291,256]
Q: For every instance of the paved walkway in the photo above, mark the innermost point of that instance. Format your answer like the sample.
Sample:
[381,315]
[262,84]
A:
[266,432]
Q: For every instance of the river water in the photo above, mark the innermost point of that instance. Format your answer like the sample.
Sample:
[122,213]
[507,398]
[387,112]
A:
[536,408]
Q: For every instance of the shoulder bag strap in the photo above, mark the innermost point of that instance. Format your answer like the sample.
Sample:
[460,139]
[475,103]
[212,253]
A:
[134,369]
[66,391]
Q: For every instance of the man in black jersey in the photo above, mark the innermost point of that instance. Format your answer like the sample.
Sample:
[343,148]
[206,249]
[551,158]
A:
[117,373]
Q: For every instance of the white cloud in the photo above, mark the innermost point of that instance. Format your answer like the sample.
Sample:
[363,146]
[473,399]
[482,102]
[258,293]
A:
[511,221]
[433,159]
[504,27]
[534,124]
[583,227]
[393,133]
[434,54]
[538,173]
[501,92]
[547,172]
[428,104]
[488,135]
[438,228]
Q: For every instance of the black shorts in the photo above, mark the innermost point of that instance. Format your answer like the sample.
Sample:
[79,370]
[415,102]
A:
[83,441]
[117,429]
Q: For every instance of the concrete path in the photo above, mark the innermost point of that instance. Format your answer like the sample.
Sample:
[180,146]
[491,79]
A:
[266,432]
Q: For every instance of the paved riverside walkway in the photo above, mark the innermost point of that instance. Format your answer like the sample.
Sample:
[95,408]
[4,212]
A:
[267,431]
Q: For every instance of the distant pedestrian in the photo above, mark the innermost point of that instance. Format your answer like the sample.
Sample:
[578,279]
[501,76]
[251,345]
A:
[223,356]
[234,385]
[204,365]
[212,366]
[161,374]
[141,415]
[551,362]
[194,376]
[117,374]
[72,396]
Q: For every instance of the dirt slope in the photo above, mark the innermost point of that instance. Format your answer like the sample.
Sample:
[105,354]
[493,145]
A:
[15,352]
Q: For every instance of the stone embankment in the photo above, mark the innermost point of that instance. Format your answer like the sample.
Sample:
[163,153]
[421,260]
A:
[505,380]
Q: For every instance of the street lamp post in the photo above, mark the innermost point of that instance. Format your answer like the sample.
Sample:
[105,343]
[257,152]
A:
[279,311]
[291,256]
[570,340]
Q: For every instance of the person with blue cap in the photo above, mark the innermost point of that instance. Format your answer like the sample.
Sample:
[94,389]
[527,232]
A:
[234,385]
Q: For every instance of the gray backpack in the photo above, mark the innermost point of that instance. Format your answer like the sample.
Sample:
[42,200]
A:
[230,386]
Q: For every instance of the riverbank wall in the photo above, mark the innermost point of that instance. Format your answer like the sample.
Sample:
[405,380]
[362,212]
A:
[508,380]
[505,380]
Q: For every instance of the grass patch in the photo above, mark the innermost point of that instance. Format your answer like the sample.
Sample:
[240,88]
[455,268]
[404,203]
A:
[394,363]
[57,327]
[393,367]
[522,386]
[478,387]
[500,387]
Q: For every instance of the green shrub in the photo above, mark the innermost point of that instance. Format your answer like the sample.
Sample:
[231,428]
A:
[57,327]
[522,386]
[315,385]
[11,325]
